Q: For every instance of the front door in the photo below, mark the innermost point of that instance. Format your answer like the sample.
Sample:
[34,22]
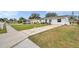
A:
[46,21]
[50,21]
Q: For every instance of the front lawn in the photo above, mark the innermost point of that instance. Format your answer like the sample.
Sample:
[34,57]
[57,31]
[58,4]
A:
[26,26]
[2,31]
[61,37]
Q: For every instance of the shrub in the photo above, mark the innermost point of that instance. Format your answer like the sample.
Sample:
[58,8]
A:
[78,22]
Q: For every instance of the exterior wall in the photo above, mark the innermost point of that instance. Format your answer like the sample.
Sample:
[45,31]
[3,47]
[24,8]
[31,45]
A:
[63,21]
[42,21]
[35,21]
[38,21]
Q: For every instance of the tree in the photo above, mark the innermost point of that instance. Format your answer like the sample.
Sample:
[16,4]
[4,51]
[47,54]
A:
[15,19]
[21,20]
[1,19]
[5,19]
[51,14]
[72,19]
[35,16]
[10,20]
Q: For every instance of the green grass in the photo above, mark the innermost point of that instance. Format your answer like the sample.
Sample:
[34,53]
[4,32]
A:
[3,30]
[26,26]
[61,37]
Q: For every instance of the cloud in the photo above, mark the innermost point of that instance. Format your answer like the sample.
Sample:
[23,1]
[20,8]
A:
[8,13]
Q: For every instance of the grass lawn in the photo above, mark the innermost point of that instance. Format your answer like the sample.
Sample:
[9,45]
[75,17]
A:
[2,31]
[26,26]
[61,37]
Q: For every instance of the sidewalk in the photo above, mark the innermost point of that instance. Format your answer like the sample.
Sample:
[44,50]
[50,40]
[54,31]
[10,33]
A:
[10,38]
[29,44]
[19,39]
[38,30]
[26,44]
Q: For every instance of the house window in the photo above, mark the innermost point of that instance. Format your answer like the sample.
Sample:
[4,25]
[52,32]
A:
[58,20]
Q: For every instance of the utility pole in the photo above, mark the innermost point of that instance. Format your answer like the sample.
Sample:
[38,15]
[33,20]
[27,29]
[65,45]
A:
[78,16]
[72,13]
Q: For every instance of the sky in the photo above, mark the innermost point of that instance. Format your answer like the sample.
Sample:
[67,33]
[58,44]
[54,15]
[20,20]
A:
[26,14]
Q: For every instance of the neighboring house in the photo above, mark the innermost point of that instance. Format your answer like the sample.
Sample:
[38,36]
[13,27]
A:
[27,22]
[33,21]
[56,20]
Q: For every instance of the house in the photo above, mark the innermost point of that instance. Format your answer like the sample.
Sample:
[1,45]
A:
[34,21]
[27,21]
[56,20]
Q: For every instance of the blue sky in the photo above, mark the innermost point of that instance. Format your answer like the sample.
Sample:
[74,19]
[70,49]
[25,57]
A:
[26,14]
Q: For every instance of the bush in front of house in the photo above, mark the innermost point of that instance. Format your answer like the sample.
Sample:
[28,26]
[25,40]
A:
[78,22]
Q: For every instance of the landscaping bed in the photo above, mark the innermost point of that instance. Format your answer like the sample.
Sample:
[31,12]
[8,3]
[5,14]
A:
[60,37]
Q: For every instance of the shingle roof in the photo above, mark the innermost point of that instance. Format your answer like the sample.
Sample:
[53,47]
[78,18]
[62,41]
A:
[56,17]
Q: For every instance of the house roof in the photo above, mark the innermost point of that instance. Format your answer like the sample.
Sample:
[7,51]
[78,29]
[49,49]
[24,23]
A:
[56,17]
[33,19]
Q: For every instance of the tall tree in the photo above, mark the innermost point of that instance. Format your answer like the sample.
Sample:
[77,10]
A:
[1,19]
[51,14]
[34,16]
[21,20]
[11,20]
[15,19]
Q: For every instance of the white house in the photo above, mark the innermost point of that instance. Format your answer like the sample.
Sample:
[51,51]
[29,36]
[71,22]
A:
[56,20]
[34,21]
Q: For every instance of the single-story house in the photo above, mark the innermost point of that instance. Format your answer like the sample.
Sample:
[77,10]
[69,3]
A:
[33,21]
[27,22]
[56,20]
[50,20]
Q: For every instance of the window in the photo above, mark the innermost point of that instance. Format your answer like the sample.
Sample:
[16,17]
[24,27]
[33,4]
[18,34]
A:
[58,20]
